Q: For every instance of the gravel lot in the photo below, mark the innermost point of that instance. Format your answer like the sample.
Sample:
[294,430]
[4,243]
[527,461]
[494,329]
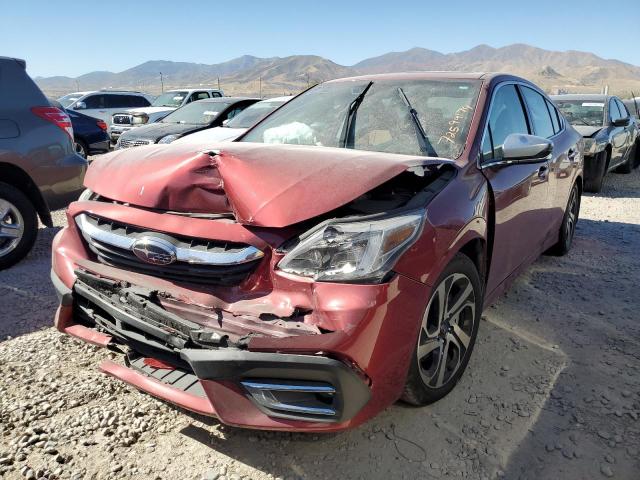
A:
[552,390]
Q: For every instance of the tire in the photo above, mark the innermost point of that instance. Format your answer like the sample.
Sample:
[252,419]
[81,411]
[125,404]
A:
[627,166]
[18,225]
[568,226]
[636,158]
[426,382]
[80,147]
[593,181]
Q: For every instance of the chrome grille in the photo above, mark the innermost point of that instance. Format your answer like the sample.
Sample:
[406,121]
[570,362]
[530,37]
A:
[122,119]
[132,143]
[196,260]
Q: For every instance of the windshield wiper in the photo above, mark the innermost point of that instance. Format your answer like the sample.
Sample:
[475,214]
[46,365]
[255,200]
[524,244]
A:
[346,137]
[423,140]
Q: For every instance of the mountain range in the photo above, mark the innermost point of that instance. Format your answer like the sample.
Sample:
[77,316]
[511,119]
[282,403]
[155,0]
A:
[566,71]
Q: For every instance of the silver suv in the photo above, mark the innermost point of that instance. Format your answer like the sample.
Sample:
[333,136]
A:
[103,104]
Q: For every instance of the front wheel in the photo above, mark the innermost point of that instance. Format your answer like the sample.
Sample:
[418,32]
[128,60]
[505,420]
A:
[447,333]
[595,175]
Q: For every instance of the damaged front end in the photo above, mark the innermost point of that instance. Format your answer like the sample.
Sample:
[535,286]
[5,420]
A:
[252,283]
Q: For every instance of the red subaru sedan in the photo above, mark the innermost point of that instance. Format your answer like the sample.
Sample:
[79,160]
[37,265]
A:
[333,260]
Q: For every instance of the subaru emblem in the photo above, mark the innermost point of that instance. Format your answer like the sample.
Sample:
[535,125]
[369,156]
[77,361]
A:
[154,250]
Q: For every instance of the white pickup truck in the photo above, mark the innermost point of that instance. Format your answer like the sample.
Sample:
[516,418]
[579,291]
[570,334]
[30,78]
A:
[161,106]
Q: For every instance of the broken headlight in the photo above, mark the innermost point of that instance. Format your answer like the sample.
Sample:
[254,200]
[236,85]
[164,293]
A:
[352,251]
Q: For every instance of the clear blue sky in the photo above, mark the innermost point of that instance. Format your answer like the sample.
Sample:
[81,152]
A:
[73,37]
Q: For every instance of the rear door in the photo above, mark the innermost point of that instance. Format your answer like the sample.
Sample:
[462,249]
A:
[520,191]
[546,123]
[96,107]
[629,130]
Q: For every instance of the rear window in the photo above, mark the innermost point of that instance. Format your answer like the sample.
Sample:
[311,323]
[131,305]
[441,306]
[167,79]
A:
[17,90]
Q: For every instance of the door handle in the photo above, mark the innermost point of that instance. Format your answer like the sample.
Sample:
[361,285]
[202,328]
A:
[543,172]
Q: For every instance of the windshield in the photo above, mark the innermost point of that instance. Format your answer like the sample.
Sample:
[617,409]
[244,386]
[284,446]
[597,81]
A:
[196,113]
[582,112]
[70,99]
[382,122]
[254,113]
[169,99]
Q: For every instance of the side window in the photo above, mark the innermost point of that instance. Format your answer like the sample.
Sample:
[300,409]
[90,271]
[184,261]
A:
[234,112]
[215,94]
[623,109]
[614,113]
[139,101]
[198,96]
[540,117]
[555,118]
[507,117]
[116,101]
[95,101]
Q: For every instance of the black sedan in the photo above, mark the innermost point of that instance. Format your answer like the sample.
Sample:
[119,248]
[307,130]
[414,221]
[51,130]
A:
[193,117]
[90,135]
[610,134]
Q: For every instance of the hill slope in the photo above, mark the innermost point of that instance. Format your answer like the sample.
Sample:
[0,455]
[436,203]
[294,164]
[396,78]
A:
[553,70]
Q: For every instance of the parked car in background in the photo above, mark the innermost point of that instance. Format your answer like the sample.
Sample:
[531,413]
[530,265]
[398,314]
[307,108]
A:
[103,104]
[610,134]
[334,259]
[90,135]
[233,128]
[161,106]
[39,170]
[195,116]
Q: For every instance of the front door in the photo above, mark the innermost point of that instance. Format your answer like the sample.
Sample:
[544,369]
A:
[521,191]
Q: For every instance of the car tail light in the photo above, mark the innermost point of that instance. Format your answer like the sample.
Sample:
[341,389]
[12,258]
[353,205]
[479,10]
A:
[102,125]
[56,116]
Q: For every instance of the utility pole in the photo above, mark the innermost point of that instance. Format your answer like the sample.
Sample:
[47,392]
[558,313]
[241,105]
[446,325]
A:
[161,82]
[307,79]
[77,86]
[260,87]
[218,83]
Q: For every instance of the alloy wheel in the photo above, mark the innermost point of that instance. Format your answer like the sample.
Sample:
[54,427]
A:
[11,227]
[447,329]
[79,148]
[572,216]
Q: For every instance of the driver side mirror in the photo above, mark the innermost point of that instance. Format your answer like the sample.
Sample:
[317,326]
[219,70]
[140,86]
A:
[521,148]
[80,106]
[224,122]
[621,122]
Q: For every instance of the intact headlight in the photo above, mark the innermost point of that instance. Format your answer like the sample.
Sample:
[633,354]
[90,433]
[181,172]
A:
[352,251]
[168,138]
[139,119]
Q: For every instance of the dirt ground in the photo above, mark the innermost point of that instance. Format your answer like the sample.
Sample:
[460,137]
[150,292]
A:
[552,390]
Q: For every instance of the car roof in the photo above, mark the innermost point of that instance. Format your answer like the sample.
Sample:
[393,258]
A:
[443,75]
[277,99]
[598,97]
[114,92]
[226,99]
[191,89]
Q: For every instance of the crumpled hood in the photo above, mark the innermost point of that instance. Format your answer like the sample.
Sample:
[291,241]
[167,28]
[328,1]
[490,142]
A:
[264,185]
[586,131]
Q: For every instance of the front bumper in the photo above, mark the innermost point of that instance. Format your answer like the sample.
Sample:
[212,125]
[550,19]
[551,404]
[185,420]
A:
[99,147]
[116,130]
[364,362]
